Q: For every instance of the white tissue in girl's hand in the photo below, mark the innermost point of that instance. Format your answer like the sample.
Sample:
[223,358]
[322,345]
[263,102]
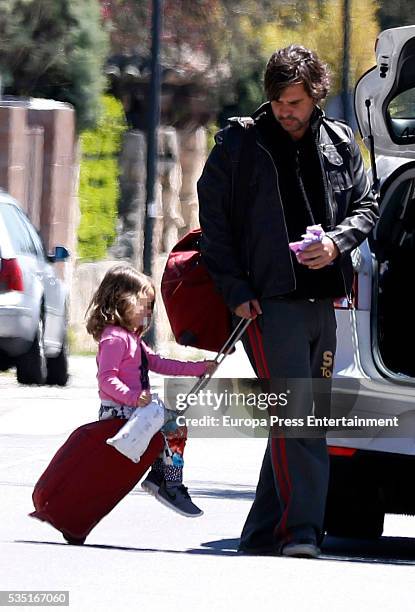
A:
[134,437]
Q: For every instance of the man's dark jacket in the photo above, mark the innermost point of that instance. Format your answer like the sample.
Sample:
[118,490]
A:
[245,242]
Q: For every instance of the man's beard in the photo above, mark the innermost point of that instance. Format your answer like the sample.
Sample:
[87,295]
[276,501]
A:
[294,125]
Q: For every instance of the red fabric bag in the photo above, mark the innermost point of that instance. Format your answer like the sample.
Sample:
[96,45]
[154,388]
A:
[197,313]
[87,478]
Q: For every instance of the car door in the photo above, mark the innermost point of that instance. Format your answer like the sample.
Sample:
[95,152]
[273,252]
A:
[54,293]
[30,297]
[385,110]
[375,342]
[385,100]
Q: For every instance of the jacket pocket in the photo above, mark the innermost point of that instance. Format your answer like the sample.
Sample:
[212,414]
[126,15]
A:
[340,180]
[332,155]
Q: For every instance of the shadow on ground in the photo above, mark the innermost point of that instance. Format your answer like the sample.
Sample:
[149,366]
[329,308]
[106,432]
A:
[386,550]
[213,489]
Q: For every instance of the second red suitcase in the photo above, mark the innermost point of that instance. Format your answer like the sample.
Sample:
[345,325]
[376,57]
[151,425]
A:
[87,478]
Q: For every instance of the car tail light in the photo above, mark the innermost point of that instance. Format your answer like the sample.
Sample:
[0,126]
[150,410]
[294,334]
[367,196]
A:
[340,451]
[11,278]
[342,303]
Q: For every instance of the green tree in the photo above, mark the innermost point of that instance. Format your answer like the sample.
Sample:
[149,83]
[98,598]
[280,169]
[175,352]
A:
[54,50]
[98,188]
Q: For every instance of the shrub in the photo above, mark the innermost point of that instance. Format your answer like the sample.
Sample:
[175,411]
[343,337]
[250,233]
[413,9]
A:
[99,187]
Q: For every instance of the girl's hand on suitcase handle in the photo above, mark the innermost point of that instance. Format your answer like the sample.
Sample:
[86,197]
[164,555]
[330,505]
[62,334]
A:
[143,399]
[248,310]
[210,367]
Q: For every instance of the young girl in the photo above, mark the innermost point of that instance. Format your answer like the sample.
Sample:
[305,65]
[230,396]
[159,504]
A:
[118,315]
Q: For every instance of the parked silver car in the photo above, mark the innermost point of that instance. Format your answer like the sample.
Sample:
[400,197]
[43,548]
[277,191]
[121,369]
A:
[371,471]
[33,301]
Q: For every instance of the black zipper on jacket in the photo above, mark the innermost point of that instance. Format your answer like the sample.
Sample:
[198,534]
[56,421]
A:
[302,188]
[283,216]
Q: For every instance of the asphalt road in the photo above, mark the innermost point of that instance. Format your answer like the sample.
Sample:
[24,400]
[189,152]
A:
[143,556]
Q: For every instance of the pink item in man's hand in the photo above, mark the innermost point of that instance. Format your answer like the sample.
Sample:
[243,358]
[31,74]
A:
[314,233]
[296,246]
[315,230]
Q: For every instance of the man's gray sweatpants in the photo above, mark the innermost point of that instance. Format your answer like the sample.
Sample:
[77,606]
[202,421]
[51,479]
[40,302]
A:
[292,343]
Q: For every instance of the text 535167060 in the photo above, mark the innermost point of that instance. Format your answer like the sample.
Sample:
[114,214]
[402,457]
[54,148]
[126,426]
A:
[34,598]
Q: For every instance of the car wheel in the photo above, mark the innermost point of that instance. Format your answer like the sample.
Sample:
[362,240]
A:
[57,367]
[31,366]
[361,522]
[5,363]
[354,512]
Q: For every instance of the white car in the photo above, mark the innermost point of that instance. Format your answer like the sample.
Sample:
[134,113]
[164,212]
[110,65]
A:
[371,470]
[33,301]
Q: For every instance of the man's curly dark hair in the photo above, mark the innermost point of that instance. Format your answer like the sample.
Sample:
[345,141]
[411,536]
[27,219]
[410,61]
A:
[294,65]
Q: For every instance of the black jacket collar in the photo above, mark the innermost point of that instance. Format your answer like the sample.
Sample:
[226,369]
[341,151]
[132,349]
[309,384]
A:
[264,112]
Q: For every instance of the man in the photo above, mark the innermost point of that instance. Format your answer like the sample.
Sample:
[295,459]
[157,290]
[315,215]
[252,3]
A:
[305,169]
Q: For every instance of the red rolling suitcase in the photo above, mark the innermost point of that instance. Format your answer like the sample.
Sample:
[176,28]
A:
[87,478]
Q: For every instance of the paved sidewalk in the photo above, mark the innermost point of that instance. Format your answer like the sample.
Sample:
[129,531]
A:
[143,556]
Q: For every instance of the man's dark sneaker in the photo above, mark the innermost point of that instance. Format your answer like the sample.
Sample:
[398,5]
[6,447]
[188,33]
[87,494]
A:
[152,482]
[178,499]
[306,549]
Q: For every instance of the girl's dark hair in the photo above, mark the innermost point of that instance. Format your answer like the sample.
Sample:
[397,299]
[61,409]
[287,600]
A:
[294,65]
[119,290]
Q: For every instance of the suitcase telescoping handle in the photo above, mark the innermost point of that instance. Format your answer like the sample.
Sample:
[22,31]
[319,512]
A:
[235,336]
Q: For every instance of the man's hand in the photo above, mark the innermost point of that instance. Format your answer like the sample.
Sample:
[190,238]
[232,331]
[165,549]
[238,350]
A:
[143,399]
[210,367]
[248,310]
[319,254]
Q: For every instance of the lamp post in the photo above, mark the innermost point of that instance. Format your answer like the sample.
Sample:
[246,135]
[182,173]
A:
[347,111]
[153,121]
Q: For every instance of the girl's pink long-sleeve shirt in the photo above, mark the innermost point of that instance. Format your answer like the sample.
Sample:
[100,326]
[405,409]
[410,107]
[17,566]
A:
[119,361]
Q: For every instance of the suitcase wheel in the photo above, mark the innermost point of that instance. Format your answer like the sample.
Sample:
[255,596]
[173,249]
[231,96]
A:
[74,541]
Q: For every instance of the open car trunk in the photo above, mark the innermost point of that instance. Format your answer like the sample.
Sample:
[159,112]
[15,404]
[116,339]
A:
[385,108]
[393,244]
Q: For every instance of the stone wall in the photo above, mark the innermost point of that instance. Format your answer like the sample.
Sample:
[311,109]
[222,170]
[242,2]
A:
[86,278]
[181,155]
[193,153]
[39,167]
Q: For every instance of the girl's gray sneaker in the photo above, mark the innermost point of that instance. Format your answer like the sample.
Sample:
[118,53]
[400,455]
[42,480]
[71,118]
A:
[152,482]
[178,499]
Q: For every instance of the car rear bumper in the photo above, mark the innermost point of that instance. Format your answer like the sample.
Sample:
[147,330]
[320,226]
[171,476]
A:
[14,347]
[16,329]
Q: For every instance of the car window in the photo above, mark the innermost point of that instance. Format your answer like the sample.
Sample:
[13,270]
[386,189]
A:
[401,110]
[17,229]
[37,242]
[7,250]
